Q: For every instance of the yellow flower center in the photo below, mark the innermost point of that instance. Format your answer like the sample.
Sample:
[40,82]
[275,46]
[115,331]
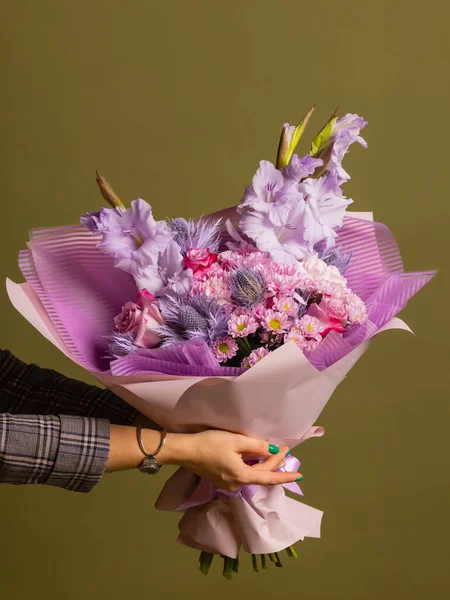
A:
[274,324]
[240,326]
[223,348]
[309,327]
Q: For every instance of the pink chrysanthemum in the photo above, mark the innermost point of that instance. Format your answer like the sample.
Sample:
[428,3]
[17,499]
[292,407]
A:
[286,305]
[311,344]
[310,326]
[282,280]
[225,348]
[295,335]
[257,355]
[245,364]
[241,325]
[275,321]
[246,256]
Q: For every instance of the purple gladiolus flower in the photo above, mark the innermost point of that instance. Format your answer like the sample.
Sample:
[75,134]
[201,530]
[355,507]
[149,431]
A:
[285,243]
[344,133]
[269,194]
[97,222]
[326,205]
[163,273]
[133,234]
[299,168]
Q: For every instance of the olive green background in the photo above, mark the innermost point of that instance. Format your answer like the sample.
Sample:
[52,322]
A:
[176,102]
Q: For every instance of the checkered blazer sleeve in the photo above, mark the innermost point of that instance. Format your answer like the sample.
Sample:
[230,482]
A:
[66,451]
[54,430]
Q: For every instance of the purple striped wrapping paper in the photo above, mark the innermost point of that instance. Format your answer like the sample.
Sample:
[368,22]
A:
[82,292]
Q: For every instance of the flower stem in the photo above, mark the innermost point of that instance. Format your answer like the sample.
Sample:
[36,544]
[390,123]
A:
[205,562]
[255,564]
[236,565]
[278,562]
[291,552]
[228,564]
[247,343]
[263,562]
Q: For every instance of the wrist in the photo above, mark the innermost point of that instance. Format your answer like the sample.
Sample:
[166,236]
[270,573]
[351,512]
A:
[177,450]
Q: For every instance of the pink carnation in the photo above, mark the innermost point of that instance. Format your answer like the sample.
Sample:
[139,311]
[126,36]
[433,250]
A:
[213,287]
[356,310]
[335,307]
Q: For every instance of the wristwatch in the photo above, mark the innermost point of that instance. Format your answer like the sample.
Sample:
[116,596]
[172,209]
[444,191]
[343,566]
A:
[149,464]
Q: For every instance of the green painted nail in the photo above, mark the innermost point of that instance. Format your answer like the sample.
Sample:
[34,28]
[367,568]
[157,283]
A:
[273,449]
[288,452]
[299,478]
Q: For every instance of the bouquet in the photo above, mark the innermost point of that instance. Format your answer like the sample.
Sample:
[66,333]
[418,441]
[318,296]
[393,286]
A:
[244,320]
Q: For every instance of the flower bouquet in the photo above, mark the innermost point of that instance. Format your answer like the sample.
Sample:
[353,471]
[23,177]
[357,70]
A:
[244,320]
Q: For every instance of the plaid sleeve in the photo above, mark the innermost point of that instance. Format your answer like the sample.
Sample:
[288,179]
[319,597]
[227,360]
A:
[29,389]
[66,451]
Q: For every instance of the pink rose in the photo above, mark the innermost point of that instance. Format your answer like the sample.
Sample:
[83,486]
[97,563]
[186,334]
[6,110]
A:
[199,259]
[140,319]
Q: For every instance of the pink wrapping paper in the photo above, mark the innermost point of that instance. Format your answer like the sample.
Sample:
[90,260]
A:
[71,296]
[279,400]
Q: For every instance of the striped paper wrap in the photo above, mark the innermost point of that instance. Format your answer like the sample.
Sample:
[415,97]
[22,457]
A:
[71,295]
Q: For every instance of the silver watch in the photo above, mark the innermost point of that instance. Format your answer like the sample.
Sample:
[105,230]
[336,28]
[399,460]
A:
[149,464]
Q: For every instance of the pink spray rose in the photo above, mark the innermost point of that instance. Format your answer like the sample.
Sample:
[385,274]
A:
[199,259]
[140,318]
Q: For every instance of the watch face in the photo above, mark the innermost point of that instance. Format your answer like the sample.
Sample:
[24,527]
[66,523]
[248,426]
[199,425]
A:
[149,465]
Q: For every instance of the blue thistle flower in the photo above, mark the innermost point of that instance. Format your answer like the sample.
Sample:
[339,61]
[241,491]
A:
[247,287]
[335,257]
[120,344]
[196,234]
[192,316]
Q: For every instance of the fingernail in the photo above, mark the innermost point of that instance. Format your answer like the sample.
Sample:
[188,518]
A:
[299,478]
[273,449]
[288,452]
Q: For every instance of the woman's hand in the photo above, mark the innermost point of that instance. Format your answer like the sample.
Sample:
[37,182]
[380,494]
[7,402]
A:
[218,457]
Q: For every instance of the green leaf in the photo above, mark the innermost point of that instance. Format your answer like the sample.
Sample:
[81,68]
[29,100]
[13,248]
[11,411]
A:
[286,148]
[323,136]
